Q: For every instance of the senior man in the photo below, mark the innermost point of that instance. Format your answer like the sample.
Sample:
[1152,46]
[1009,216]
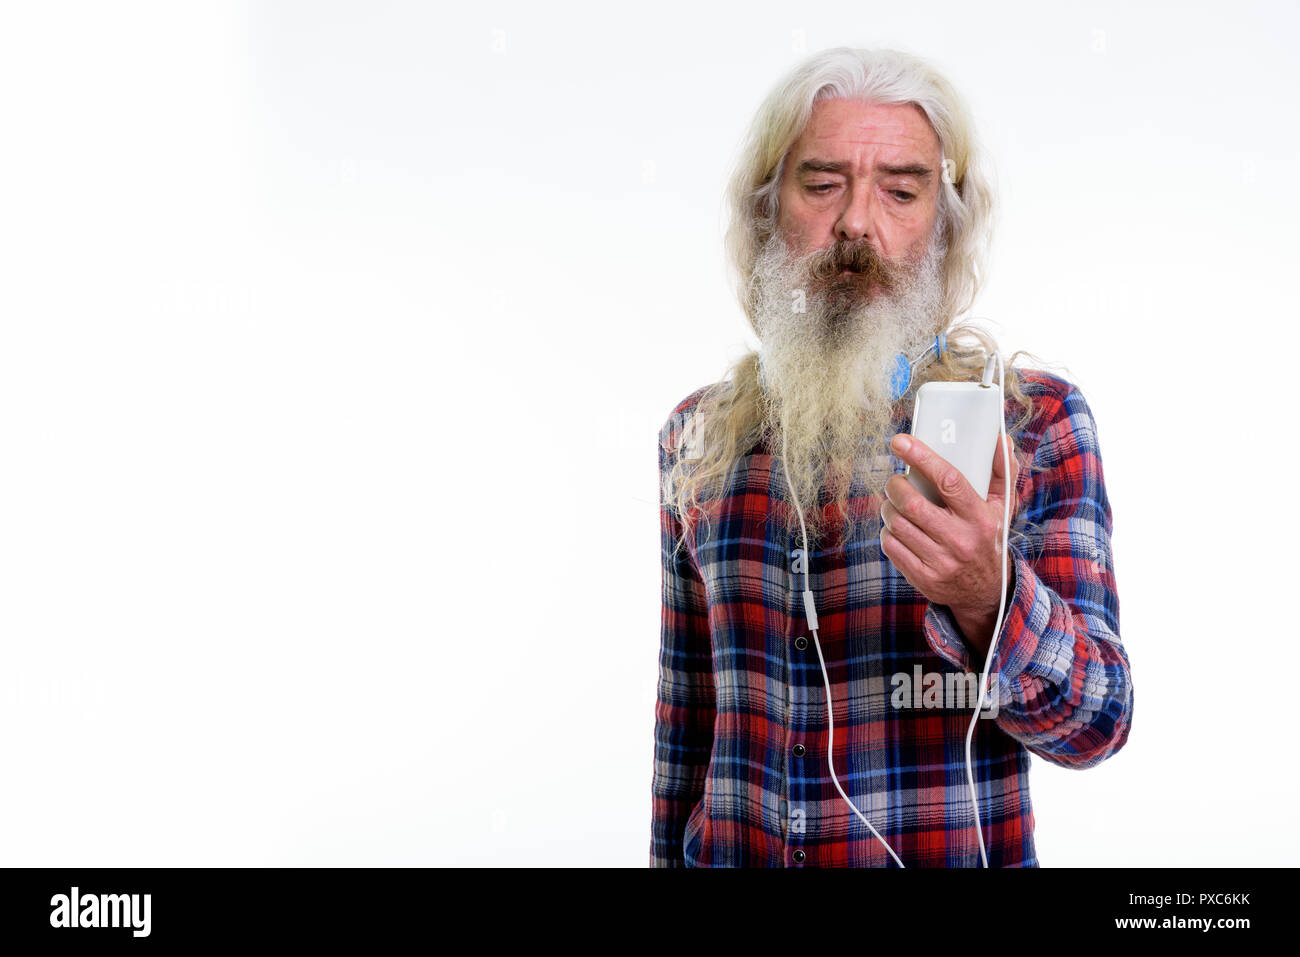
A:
[860,215]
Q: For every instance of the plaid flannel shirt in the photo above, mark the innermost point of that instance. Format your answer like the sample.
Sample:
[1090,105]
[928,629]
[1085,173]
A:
[740,775]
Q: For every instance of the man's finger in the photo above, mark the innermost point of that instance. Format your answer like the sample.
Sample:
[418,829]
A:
[956,492]
[934,521]
[997,481]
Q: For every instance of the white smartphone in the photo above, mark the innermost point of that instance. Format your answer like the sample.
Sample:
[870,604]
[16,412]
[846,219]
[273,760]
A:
[960,422]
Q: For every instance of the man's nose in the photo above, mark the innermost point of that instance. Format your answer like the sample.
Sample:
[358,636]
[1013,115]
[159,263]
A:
[857,220]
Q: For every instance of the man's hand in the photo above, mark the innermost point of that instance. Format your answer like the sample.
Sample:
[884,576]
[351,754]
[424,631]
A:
[950,555]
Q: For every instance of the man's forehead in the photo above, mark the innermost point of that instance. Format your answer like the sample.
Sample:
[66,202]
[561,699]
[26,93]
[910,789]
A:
[839,130]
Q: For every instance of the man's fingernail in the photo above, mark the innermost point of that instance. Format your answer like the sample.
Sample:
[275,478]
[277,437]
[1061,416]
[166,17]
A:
[902,443]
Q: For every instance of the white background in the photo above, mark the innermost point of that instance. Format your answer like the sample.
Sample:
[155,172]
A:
[334,341]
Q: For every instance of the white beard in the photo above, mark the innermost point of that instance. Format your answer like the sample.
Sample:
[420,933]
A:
[827,369]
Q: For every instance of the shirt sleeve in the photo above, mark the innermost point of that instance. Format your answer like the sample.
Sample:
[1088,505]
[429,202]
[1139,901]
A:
[685,706]
[1064,688]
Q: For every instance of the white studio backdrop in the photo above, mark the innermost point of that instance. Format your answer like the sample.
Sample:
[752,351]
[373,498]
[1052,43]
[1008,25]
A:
[334,341]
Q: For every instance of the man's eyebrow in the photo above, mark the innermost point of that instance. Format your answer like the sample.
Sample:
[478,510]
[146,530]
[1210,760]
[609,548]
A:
[838,166]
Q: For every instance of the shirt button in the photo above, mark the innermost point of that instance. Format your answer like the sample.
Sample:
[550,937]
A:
[799,857]
[798,751]
[801,642]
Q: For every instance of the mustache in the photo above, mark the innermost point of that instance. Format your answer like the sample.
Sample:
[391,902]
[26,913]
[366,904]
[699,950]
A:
[859,258]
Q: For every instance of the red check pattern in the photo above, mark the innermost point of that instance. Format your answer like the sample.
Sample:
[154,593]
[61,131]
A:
[740,775]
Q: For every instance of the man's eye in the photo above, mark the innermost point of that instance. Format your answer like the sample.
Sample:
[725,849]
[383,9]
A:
[903,197]
[820,188]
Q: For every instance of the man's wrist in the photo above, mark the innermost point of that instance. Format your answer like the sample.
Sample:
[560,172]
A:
[976,625]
